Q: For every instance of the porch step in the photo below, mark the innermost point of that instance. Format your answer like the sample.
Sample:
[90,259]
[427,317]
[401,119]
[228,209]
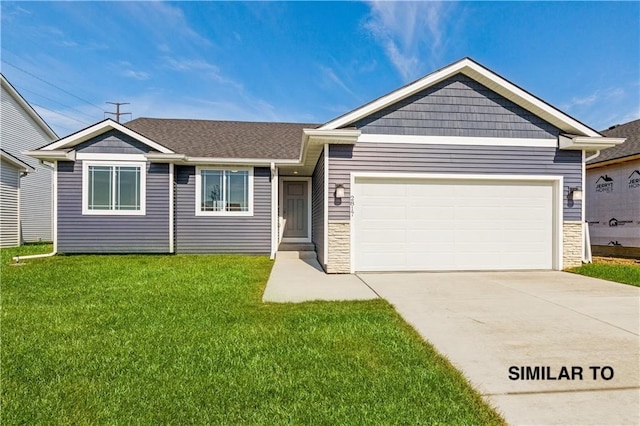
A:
[297,247]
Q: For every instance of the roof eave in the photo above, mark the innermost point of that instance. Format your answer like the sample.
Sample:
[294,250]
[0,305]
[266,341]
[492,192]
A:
[585,143]
[52,155]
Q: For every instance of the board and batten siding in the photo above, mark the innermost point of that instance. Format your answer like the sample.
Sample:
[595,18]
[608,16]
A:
[317,208]
[9,193]
[457,106]
[78,233]
[222,234]
[19,132]
[458,159]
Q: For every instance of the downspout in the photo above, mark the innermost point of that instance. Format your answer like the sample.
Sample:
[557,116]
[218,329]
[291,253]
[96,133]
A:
[597,153]
[17,259]
[586,237]
[274,210]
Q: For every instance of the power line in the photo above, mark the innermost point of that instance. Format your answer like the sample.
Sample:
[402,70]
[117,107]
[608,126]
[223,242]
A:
[59,113]
[22,89]
[53,85]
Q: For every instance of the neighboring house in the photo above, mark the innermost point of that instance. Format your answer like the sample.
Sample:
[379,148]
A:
[22,129]
[12,171]
[613,195]
[460,170]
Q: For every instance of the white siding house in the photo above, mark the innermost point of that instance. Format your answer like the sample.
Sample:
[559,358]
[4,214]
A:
[11,172]
[22,129]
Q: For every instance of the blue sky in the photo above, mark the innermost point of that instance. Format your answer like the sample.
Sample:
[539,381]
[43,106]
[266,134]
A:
[309,61]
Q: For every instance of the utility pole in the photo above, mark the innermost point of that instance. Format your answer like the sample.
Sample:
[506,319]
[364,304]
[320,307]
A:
[118,113]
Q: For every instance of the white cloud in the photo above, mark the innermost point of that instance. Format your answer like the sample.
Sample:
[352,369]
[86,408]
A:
[411,33]
[137,75]
[330,75]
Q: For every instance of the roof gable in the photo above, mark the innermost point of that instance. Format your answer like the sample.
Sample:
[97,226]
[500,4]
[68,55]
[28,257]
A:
[98,129]
[14,161]
[483,76]
[39,121]
[457,106]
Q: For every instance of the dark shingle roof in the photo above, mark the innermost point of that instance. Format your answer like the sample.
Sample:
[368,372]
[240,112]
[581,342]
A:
[631,146]
[224,139]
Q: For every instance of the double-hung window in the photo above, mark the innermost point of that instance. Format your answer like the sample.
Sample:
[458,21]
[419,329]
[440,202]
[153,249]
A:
[113,188]
[224,192]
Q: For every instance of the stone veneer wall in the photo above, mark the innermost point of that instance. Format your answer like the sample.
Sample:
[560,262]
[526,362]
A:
[339,256]
[571,244]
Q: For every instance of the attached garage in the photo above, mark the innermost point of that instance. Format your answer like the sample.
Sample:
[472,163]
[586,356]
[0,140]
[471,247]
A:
[461,222]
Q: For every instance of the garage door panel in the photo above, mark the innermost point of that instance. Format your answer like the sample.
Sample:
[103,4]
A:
[452,225]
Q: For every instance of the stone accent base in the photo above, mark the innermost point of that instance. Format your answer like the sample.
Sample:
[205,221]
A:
[571,244]
[339,244]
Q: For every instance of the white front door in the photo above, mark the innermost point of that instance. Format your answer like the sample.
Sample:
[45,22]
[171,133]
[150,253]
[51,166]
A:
[295,210]
[441,224]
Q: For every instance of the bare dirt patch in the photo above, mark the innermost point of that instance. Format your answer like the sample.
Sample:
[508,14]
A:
[615,261]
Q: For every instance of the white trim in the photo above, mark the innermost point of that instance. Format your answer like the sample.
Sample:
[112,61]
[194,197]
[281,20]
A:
[555,180]
[199,212]
[16,162]
[98,129]
[171,209]
[586,143]
[484,76]
[584,192]
[309,209]
[143,188]
[55,206]
[274,210]
[214,161]
[59,154]
[99,156]
[458,140]
[325,253]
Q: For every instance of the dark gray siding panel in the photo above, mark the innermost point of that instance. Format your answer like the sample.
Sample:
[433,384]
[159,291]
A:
[457,106]
[414,158]
[317,203]
[112,234]
[222,234]
[113,142]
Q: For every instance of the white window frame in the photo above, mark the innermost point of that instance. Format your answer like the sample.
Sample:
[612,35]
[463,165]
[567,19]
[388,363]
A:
[143,188]
[198,197]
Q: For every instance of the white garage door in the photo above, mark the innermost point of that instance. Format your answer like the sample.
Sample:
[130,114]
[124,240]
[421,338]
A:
[443,224]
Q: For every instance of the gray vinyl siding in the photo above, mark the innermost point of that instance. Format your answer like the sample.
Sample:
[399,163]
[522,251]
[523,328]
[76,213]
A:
[9,192]
[414,158]
[113,142]
[222,234]
[78,233]
[20,132]
[457,106]
[317,208]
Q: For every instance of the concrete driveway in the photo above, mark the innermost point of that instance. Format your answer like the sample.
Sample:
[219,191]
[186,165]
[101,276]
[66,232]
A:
[493,325]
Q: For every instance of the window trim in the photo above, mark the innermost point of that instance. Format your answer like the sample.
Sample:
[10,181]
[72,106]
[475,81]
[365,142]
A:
[198,197]
[85,188]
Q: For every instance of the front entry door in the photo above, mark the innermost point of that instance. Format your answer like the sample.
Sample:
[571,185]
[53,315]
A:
[295,206]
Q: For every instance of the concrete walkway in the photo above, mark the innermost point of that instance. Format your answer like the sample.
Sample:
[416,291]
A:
[488,323]
[298,277]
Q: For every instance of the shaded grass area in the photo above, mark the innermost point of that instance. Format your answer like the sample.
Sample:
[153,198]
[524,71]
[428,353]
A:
[6,254]
[621,272]
[186,339]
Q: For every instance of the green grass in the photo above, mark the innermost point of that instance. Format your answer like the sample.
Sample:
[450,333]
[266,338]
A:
[625,274]
[186,339]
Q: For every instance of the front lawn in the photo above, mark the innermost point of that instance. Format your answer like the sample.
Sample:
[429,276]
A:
[187,340]
[623,271]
